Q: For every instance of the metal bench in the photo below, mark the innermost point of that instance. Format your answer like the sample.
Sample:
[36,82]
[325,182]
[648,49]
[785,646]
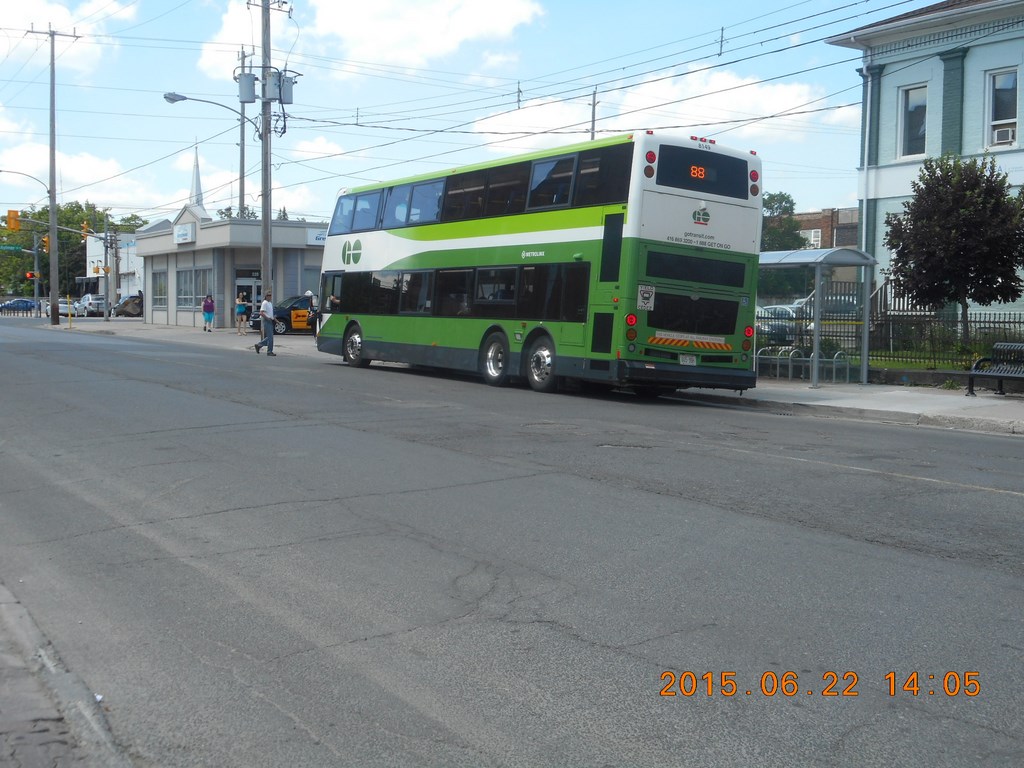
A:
[1006,362]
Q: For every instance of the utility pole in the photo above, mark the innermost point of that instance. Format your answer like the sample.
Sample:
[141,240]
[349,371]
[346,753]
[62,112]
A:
[54,268]
[277,86]
[241,150]
[108,295]
[593,112]
[266,255]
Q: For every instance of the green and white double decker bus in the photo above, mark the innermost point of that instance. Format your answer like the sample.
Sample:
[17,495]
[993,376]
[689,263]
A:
[628,261]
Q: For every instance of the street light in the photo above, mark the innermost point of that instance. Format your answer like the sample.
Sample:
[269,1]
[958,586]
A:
[265,248]
[174,98]
[51,237]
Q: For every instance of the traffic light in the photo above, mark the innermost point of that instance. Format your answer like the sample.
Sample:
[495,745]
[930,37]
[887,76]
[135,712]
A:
[13,222]
[30,275]
[85,230]
[46,243]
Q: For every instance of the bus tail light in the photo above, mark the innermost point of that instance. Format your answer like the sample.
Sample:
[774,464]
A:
[631,334]
[650,157]
[754,190]
[748,331]
[630,319]
[746,346]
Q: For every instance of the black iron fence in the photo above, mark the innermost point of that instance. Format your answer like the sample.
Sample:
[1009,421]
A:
[918,340]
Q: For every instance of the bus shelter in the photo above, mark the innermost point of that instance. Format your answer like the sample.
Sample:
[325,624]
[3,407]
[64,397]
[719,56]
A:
[818,259]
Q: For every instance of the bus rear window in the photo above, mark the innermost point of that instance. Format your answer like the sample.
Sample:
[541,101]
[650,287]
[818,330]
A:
[702,171]
[685,314]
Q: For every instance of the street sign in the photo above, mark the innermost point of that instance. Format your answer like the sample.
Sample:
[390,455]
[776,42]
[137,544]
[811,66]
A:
[10,247]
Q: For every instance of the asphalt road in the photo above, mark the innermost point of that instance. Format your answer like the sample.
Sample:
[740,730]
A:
[288,562]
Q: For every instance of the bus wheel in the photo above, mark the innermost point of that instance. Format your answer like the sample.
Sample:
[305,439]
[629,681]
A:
[494,359]
[540,362]
[354,347]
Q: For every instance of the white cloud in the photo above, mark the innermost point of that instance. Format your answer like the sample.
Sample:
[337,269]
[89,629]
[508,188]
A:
[316,148]
[239,26]
[82,176]
[493,60]
[415,32]
[72,23]
[390,32]
[710,102]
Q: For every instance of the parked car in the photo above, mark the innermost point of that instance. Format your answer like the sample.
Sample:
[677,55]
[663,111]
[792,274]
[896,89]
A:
[292,314]
[129,306]
[771,332]
[18,305]
[94,304]
[64,309]
[790,316]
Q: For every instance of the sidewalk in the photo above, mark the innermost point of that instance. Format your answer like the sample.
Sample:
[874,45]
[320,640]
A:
[883,403]
[886,403]
[34,732]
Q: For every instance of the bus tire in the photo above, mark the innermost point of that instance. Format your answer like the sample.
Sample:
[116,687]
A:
[494,358]
[353,346]
[540,365]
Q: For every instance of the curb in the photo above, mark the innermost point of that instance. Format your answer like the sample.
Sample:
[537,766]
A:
[907,418]
[68,696]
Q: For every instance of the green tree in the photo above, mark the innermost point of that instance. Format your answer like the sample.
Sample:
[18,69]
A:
[71,250]
[229,213]
[960,238]
[781,232]
[130,223]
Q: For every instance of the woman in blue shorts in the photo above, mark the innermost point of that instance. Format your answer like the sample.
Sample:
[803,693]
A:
[208,309]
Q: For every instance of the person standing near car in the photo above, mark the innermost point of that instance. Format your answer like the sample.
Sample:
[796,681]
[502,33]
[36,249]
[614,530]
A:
[267,323]
[208,309]
[240,313]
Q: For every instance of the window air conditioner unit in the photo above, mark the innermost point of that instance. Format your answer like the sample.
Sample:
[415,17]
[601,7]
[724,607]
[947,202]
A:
[1004,135]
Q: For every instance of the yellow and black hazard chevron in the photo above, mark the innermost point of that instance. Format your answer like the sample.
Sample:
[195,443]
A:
[720,345]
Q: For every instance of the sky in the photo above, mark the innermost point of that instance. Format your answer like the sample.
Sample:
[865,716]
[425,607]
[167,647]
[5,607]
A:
[395,88]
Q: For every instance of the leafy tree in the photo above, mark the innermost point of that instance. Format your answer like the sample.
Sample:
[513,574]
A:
[282,215]
[130,223]
[70,248]
[781,232]
[959,239]
[247,212]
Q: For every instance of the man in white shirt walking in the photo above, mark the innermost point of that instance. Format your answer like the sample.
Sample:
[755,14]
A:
[267,323]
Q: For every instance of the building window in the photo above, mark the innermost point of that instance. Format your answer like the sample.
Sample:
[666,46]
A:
[914,111]
[193,285]
[159,289]
[1003,100]
[202,284]
[812,236]
[185,295]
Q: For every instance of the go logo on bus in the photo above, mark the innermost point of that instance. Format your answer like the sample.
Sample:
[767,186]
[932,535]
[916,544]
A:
[701,216]
[351,252]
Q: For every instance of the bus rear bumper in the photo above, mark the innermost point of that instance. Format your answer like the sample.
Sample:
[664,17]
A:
[632,372]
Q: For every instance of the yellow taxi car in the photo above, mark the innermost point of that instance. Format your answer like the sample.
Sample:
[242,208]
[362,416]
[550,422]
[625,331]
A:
[292,314]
